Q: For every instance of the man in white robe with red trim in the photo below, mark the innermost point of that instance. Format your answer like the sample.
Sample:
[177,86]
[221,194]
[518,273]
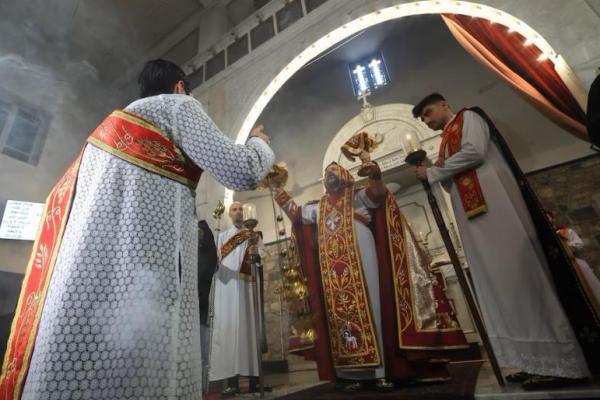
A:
[522,277]
[378,312]
[233,344]
[109,303]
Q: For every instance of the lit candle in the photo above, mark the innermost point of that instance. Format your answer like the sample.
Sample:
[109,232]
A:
[249,211]
[411,144]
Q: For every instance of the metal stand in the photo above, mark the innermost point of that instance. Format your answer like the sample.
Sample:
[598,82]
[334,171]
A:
[417,158]
[258,322]
[250,224]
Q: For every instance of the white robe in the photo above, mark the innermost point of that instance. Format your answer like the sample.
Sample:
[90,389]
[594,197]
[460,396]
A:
[121,318]
[368,253]
[233,341]
[526,323]
[576,245]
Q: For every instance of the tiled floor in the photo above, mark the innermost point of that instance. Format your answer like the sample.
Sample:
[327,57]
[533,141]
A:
[487,388]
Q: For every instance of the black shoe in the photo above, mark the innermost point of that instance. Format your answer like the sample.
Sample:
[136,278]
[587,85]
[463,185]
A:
[230,391]
[351,387]
[518,377]
[256,389]
[383,385]
[254,385]
[550,382]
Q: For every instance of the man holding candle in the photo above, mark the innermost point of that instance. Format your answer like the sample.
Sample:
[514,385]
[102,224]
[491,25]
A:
[512,250]
[233,344]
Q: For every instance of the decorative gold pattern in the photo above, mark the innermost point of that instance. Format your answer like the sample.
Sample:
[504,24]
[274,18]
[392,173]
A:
[426,320]
[234,241]
[144,145]
[351,330]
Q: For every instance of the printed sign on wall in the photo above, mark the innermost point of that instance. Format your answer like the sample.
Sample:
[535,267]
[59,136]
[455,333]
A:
[20,220]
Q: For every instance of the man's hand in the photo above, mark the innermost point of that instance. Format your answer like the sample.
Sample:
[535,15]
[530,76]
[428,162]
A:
[421,172]
[253,239]
[275,186]
[277,178]
[253,250]
[375,172]
[259,133]
[439,163]
[364,156]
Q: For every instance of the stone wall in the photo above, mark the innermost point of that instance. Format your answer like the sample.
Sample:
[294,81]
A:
[572,192]
[41,72]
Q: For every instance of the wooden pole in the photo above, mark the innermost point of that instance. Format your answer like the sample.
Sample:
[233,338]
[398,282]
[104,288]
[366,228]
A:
[417,158]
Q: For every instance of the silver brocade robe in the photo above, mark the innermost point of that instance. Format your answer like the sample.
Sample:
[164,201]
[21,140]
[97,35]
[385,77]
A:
[121,318]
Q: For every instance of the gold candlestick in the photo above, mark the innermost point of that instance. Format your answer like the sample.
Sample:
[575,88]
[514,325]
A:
[250,222]
[218,213]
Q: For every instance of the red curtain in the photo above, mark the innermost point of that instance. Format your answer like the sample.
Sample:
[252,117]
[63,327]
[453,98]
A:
[504,53]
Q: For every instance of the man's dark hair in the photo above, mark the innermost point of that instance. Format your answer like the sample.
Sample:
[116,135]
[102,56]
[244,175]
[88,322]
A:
[432,98]
[159,77]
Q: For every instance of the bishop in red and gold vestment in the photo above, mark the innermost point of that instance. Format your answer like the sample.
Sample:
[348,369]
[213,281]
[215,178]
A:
[378,311]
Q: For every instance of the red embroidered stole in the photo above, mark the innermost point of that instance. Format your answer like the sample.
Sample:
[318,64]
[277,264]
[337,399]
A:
[466,182]
[127,136]
[232,244]
[136,140]
[352,333]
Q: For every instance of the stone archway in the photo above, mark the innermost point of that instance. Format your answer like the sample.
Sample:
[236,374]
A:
[395,12]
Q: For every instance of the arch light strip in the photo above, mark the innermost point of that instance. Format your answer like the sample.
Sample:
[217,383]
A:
[376,17]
